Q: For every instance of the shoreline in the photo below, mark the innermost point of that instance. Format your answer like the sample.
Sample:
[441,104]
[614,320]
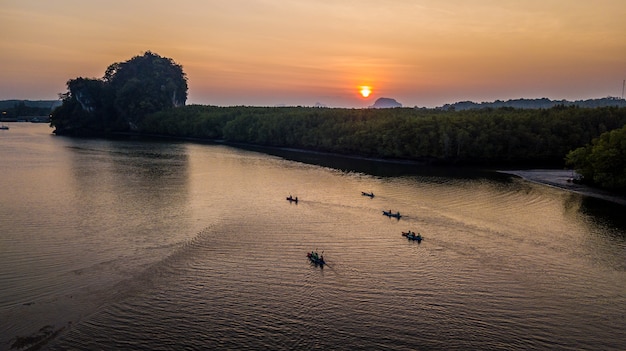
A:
[562,179]
[557,178]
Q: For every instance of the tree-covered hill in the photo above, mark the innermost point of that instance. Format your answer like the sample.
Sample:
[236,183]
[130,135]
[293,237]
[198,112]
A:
[119,101]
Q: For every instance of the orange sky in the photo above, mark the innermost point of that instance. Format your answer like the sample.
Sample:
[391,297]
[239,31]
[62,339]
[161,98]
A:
[301,52]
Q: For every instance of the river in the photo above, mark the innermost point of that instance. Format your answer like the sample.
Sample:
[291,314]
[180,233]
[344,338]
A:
[170,245]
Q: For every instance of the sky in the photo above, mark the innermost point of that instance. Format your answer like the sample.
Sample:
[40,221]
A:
[422,53]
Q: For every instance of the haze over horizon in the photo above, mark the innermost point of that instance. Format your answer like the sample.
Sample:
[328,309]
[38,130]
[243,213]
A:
[267,52]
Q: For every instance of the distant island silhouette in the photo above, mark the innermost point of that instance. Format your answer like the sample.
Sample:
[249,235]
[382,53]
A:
[386,103]
[535,103]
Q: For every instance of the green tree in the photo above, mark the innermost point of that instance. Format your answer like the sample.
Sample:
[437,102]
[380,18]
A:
[579,160]
[603,162]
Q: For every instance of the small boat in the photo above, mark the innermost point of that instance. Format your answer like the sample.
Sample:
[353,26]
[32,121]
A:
[292,199]
[391,214]
[412,236]
[3,127]
[316,259]
[370,194]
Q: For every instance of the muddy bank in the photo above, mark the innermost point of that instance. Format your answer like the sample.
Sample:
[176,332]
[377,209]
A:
[563,179]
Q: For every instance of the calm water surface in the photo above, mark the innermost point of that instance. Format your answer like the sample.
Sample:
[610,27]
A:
[109,245]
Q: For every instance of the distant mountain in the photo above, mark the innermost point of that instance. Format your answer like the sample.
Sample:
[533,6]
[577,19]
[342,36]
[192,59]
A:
[386,103]
[535,103]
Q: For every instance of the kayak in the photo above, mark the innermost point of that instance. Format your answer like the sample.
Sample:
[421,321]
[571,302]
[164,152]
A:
[316,259]
[391,214]
[412,236]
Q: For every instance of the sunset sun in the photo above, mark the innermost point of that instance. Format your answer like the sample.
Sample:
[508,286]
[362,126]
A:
[365,91]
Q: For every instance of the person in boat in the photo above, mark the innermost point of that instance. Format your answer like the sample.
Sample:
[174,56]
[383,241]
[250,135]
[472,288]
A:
[296,199]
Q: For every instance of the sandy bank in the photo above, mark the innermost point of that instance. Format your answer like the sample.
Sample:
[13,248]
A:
[562,179]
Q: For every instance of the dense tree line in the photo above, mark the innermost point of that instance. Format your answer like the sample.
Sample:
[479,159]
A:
[602,162]
[19,109]
[504,136]
[119,101]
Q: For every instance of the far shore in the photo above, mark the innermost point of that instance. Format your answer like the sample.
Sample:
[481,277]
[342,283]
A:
[563,179]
